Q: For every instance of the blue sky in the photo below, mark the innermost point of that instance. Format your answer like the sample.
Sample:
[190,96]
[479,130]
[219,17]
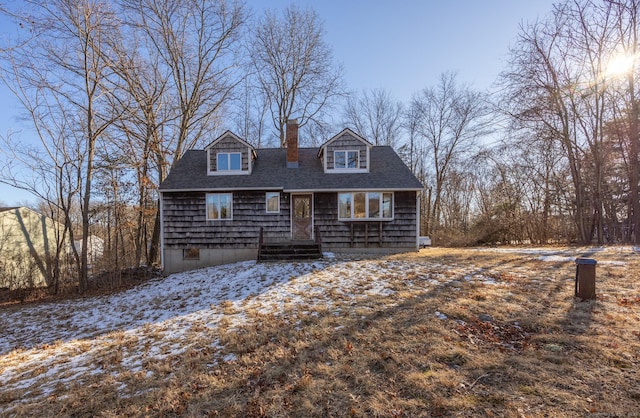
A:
[402,46]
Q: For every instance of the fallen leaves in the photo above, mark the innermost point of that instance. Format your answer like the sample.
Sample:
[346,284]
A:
[505,337]
[628,301]
[379,337]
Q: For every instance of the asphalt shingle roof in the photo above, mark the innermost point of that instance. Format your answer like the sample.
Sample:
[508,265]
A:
[270,172]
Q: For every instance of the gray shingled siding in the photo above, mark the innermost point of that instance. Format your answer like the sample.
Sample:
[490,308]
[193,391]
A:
[347,143]
[186,226]
[228,144]
[398,233]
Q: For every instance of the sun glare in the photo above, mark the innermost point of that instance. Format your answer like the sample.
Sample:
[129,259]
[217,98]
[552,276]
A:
[620,65]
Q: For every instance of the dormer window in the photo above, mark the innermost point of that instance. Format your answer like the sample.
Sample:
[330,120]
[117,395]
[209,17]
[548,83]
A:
[345,160]
[229,155]
[229,161]
[346,153]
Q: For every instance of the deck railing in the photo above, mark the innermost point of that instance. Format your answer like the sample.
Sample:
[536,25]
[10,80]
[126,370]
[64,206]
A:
[260,242]
[318,238]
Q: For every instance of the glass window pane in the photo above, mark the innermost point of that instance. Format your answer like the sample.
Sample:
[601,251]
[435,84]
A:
[191,254]
[273,202]
[374,205]
[339,159]
[387,205]
[219,206]
[301,207]
[225,206]
[353,159]
[236,161]
[223,161]
[212,207]
[344,205]
[359,205]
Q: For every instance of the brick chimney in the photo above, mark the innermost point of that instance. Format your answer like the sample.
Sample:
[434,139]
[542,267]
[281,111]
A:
[291,135]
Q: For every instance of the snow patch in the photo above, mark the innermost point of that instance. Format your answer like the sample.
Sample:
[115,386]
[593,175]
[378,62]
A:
[441,316]
[229,358]
[556,258]
[46,347]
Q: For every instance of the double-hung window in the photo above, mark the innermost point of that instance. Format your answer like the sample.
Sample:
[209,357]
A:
[229,161]
[273,202]
[365,206]
[219,206]
[346,160]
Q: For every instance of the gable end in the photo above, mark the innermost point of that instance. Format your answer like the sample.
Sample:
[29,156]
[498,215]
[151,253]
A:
[237,154]
[346,152]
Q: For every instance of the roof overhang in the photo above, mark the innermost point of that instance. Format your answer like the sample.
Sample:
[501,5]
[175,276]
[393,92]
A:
[232,135]
[268,189]
[340,134]
[223,189]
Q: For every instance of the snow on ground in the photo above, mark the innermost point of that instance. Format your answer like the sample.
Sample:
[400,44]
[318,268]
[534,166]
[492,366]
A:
[569,251]
[48,345]
[561,255]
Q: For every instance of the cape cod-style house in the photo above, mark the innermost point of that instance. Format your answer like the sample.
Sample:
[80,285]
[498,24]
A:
[231,202]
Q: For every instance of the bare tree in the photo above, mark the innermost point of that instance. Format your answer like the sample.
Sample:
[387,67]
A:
[142,91]
[538,86]
[450,120]
[294,67]
[250,114]
[376,116]
[49,174]
[521,185]
[190,73]
[627,15]
[194,41]
[59,71]
[458,193]
[560,87]
[415,155]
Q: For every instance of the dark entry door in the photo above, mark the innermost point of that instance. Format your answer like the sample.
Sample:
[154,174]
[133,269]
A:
[301,217]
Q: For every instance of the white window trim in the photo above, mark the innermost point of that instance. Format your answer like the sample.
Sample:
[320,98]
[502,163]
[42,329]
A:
[346,159]
[228,154]
[207,207]
[225,172]
[367,218]
[313,217]
[357,169]
[266,202]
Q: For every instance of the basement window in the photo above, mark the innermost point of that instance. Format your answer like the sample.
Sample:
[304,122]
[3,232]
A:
[191,254]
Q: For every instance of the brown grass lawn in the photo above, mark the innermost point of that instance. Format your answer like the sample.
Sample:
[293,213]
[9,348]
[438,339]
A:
[476,332]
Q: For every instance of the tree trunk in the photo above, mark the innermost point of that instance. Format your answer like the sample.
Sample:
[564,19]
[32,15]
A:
[154,248]
[633,163]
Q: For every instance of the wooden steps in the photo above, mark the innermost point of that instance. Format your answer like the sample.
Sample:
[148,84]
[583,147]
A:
[289,251]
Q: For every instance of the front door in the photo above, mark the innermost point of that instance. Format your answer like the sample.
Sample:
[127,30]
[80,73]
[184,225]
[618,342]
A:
[301,218]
